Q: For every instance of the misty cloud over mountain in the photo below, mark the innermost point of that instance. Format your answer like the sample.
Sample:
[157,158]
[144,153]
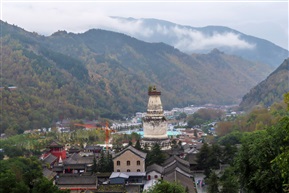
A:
[184,38]
[197,39]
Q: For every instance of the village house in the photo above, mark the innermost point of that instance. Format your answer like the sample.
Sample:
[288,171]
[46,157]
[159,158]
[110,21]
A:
[174,169]
[77,183]
[129,169]
[129,160]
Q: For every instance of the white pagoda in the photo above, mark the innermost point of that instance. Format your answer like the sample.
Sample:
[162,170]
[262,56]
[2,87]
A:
[155,123]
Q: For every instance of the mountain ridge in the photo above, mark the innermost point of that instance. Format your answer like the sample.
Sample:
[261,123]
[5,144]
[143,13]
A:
[270,90]
[172,34]
[101,73]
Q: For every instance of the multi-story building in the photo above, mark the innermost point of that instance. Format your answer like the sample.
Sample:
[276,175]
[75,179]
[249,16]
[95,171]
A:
[129,160]
[129,169]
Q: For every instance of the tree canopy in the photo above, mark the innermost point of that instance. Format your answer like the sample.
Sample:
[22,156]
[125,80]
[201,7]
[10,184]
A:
[164,186]
[24,175]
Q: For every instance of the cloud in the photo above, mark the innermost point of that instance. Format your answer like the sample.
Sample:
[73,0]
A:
[194,40]
[183,38]
[76,16]
[64,18]
[134,28]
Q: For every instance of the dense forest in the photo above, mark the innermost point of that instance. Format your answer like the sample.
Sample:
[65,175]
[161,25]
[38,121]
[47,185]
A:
[270,90]
[260,164]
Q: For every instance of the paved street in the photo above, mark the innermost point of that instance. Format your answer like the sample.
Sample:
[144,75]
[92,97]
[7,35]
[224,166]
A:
[200,177]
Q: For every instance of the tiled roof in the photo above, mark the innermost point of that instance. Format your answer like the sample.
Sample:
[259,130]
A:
[182,161]
[169,160]
[174,165]
[57,168]
[74,166]
[178,159]
[155,167]
[181,178]
[74,149]
[193,151]
[78,159]
[133,150]
[93,147]
[50,159]
[48,173]
[126,174]
[71,179]
[192,158]
[55,144]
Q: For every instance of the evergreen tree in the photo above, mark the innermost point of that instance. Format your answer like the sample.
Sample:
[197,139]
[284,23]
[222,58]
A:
[213,184]
[146,148]
[203,157]
[173,144]
[102,162]
[155,155]
[130,143]
[229,182]
[214,157]
[109,162]
[94,166]
[137,145]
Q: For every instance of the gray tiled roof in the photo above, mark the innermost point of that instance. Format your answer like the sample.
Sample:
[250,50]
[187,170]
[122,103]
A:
[93,147]
[76,180]
[133,150]
[78,159]
[186,146]
[48,173]
[174,165]
[55,144]
[50,159]
[192,159]
[178,159]
[155,167]
[182,178]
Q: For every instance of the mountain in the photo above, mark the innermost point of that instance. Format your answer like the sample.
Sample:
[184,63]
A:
[107,74]
[190,39]
[181,77]
[270,90]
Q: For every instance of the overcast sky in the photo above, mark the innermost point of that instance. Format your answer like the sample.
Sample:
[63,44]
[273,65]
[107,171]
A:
[266,20]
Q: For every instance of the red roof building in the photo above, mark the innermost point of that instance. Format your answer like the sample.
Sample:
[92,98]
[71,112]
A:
[57,150]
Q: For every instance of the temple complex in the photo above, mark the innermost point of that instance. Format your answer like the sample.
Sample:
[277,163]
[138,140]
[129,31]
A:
[155,123]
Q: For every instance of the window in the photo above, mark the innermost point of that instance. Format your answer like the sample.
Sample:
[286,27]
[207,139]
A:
[156,176]
[138,170]
[117,170]
[128,170]
[128,163]
[138,163]
[118,163]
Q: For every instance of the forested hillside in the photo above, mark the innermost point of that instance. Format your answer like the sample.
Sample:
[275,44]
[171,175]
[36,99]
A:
[105,74]
[270,90]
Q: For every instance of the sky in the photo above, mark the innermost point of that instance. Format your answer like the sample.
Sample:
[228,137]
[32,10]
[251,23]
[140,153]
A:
[264,19]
